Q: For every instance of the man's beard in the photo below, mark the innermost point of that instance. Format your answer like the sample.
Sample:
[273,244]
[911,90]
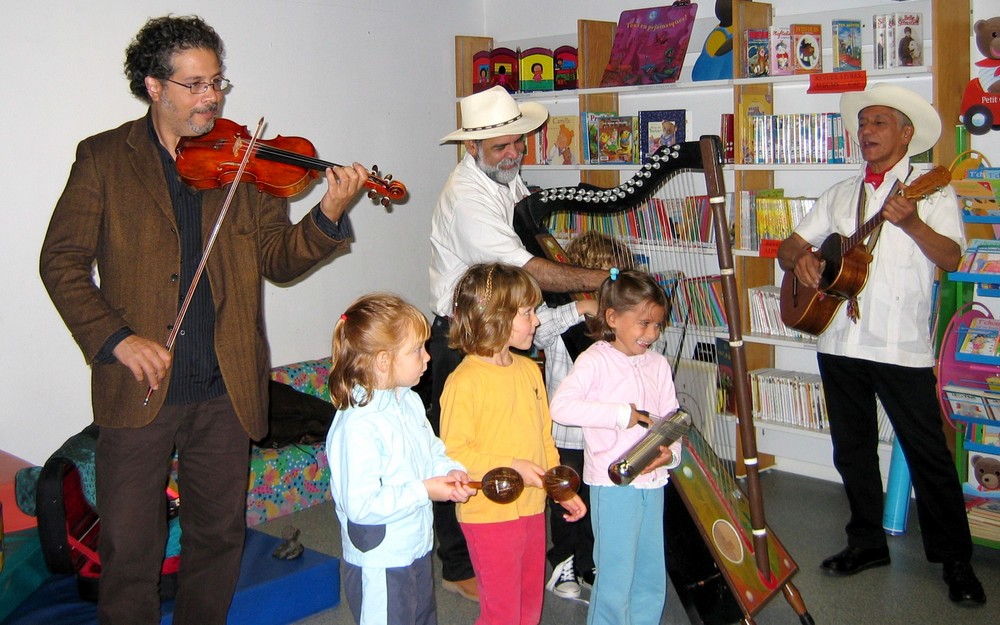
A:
[497,172]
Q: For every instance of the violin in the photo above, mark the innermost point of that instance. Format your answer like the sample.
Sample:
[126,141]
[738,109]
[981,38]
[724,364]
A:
[282,166]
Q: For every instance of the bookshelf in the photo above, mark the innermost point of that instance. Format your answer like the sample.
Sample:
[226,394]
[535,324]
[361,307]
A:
[795,449]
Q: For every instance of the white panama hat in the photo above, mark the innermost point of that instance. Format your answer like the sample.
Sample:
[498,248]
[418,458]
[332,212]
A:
[494,113]
[926,121]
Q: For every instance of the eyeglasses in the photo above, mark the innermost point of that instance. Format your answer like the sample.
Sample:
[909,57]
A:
[197,88]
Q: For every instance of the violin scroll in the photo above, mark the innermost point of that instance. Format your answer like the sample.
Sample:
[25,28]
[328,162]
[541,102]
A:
[384,186]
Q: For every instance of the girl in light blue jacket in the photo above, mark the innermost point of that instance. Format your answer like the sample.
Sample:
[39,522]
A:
[386,465]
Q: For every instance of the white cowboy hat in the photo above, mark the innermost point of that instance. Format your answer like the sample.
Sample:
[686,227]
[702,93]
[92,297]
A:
[494,113]
[926,121]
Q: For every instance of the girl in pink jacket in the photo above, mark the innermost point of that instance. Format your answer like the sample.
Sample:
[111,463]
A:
[616,385]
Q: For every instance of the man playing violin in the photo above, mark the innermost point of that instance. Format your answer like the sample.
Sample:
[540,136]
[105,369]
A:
[879,346]
[125,210]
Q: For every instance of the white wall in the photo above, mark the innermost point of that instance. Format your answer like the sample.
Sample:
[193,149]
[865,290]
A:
[371,81]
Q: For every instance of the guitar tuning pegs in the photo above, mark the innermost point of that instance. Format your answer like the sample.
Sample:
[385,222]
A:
[375,169]
[388,177]
[371,194]
[385,202]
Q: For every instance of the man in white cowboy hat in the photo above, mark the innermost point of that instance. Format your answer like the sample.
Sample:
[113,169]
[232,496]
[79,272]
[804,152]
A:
[880,344]
[473,223]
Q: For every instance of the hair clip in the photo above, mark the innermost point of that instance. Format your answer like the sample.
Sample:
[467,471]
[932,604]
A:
[613,273]
[343,317]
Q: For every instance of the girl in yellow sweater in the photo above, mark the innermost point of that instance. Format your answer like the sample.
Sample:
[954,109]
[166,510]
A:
[494,412]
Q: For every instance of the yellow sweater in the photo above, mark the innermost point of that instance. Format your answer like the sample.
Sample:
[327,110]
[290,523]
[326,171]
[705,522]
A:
[491,415]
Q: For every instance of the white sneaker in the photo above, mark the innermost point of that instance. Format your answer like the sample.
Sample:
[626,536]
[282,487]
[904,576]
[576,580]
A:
[562,582]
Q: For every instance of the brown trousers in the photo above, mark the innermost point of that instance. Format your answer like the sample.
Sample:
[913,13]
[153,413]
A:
[132,468]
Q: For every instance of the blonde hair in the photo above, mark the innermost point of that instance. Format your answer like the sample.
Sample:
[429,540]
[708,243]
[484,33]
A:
[374,323]
[486,300]
[629,290]
[596,250]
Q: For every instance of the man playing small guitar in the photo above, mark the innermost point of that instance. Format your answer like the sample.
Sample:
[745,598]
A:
[879,346]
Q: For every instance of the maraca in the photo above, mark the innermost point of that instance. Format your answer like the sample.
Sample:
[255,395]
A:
[500,485]
[561,483]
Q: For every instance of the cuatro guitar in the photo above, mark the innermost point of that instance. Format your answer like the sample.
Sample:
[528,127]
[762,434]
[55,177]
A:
[845,267]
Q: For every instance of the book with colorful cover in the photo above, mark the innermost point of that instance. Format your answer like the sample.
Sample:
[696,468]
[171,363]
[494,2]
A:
[846,45]
[978,198]
[616,139]
[965,402]
[650,45]
[726,380]
[591,132]
[780,41]
[726,132]
[659,128]
[482,67]
[807,48]
[983,474]
[537,70]
[757,53]
[748,106]
[562,140]
[504,68]
[890,40]
[566,66]
[982,339]
[534,149]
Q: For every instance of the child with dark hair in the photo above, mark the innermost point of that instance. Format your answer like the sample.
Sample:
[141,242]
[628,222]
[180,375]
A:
[494,412]
[614,386]
[386,465]
[571,554]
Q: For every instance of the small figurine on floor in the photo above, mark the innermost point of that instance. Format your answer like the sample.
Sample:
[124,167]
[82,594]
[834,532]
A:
[290,547]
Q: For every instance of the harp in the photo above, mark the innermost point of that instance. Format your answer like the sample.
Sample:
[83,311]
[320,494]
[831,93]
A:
[672,215]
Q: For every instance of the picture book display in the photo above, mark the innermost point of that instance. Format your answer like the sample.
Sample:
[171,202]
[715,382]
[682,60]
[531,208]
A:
[967,402]
[649,45]
[983,474]
[780,41]
[909,40]
[537,70]
[482,65]
[565,59]
[846,45]
[659,128]
[504,68]
[807,48]
[562,140]
[616,139]
[982,338]
[757,55]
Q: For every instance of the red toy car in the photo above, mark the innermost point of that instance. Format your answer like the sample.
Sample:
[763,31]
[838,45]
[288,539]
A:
[980,110]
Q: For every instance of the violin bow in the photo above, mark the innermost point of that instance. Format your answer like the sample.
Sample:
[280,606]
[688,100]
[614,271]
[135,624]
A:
[208,248]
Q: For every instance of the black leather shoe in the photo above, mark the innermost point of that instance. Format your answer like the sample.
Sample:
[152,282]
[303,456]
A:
[963,586]
[855,559]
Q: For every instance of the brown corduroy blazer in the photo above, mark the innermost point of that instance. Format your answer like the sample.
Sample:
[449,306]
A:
[115,213]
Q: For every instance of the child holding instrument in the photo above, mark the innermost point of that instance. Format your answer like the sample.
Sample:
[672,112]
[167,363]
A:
[616,385]
[386,465]
[571,554]
[494,412]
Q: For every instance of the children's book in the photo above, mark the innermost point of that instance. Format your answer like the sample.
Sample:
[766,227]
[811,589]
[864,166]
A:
[807,48]
[616,139]
[649,45]
[878,41]
[890,40]
[750,105]
[562,140]
[965,402]
[757,55]
[978,198]
[780,40]
[534,151]
[482,67]
[537,70]
[909,38]
[659,128]
[566,61]
[725,381]
[503,62]
[982,338]
[588,142]
[846,45]
[983,476]
[726,133]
